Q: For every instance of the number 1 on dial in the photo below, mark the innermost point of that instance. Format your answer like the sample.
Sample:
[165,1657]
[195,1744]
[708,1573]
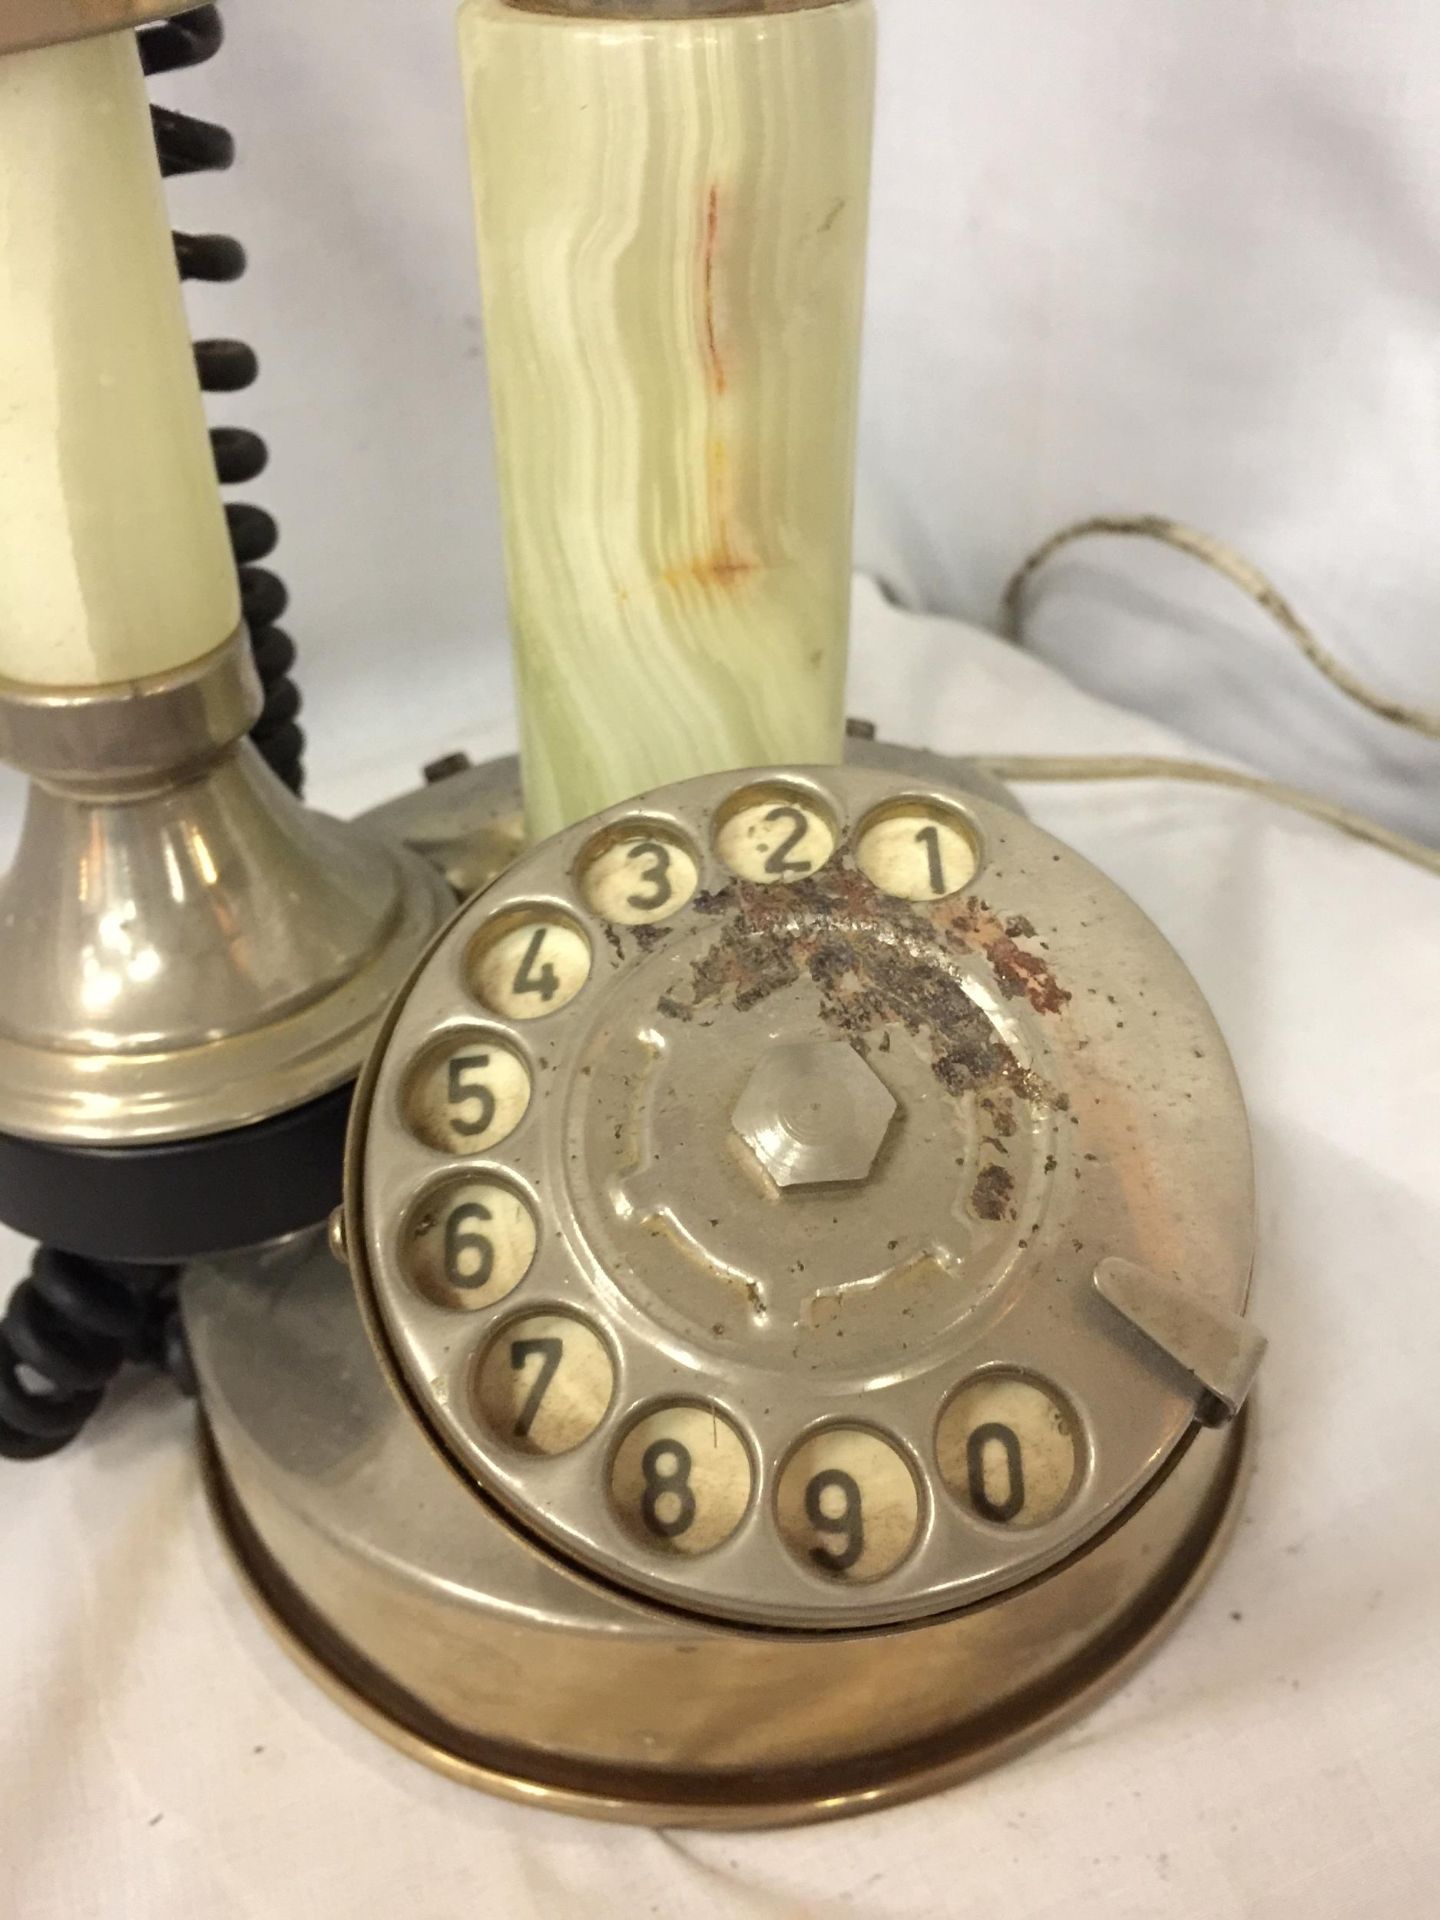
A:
[929,838]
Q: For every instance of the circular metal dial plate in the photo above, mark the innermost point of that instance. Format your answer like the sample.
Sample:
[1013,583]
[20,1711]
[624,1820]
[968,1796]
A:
[729,1188]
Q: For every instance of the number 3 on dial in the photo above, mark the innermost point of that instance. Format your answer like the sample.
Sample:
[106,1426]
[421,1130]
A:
[641,879]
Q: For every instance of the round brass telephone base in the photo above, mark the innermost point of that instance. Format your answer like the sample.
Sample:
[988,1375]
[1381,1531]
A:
[471,1648]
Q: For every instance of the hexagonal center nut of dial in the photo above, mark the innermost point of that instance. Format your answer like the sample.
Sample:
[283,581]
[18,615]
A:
[813,1112]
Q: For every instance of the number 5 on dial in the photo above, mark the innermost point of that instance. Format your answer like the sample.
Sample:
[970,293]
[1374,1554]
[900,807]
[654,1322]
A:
[468,1096]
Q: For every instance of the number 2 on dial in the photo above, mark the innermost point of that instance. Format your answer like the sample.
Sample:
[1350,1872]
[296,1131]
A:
[779,862]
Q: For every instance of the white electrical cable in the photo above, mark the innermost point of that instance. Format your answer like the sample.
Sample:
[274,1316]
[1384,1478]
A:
[1252,582]
[1159,767]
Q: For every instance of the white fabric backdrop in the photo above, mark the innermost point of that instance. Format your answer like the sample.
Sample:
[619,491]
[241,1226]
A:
[1179,257]
[160,1759]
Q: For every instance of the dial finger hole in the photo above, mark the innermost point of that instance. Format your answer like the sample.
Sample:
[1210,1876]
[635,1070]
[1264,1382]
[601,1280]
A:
[545,1383]
[467,1095]
[1008,1449]
[918,850]
[847,1505]
[638,874]
[529,963]
[774,834]
[469,1243]
[681,1480]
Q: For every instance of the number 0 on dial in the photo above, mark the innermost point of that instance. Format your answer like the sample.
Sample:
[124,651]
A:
[1006,1448]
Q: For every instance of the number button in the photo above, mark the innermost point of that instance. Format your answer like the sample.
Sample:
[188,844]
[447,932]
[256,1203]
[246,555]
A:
[775,837]
[469,1096]
[681,1480]
[917,852]
[1007,1450]
[847,1505]
[528,970]
[639,879]
[470,1244]
[545,1384]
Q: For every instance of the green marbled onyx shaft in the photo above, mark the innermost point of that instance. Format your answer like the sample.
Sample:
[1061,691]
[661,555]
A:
[672,220]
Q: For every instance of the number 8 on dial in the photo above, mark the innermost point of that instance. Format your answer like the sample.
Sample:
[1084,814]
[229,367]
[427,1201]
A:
[681,1480]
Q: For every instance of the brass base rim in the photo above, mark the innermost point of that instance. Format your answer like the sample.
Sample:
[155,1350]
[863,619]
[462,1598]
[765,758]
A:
[851,1788]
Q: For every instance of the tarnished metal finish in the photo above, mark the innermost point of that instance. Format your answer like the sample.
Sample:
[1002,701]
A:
[1064,1097]
[470,824]
[185,948]
[44,23]
[458,1638]
[1220,1349]
[109,740]
[813,1112]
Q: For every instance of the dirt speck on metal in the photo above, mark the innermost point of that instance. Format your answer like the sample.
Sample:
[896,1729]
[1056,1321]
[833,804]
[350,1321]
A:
[992,1193]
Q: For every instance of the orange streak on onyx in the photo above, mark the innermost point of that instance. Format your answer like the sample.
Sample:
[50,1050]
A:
[725,564]
[712,343]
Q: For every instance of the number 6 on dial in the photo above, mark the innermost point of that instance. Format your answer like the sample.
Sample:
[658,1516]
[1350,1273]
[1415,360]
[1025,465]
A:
[470,1244]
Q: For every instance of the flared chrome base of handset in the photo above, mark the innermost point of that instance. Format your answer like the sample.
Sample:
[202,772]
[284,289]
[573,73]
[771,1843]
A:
[185,948]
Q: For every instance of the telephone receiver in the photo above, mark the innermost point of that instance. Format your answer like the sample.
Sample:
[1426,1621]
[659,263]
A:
[713,1257]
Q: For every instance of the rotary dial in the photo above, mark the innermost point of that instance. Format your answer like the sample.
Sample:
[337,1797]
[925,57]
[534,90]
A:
[736,1188]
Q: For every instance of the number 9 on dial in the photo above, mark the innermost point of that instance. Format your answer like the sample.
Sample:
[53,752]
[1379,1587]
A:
[847,1505]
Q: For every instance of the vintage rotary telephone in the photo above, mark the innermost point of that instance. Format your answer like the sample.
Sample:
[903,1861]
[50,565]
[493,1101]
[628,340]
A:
[799,1218]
